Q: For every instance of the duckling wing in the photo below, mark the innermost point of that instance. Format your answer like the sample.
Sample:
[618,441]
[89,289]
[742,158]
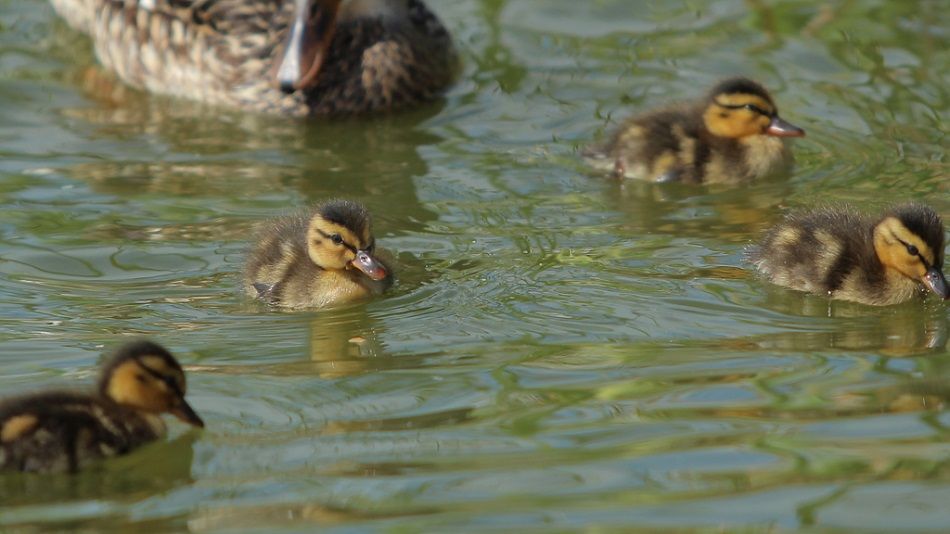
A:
[818,251]
[60,431]
[662,146]
[265,292]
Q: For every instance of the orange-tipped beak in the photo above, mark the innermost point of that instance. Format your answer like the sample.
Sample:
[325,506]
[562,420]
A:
[186,413]
[307,43]
[935,281]
[369,265]
[780,128]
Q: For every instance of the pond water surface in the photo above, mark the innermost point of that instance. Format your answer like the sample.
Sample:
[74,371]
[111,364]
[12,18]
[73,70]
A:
[562,352]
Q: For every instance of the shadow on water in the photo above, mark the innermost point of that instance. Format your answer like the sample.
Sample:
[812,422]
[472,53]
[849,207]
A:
[680,210]
[105,490]
[213,152]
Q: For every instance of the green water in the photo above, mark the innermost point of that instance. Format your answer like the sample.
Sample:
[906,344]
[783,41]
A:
[561,352]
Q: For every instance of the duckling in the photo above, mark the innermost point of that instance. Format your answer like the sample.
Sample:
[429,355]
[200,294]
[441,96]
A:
[317,258]
[292,57]
[850,256]
[60,431]
[733,136]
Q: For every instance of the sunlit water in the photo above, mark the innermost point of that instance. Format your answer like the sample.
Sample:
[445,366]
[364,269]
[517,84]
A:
[561,350]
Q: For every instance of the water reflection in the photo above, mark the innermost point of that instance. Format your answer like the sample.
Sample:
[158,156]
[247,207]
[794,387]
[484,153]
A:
[817,323]
[303,515]
[154,469]
[543,318]
[346,344]
[685,210]
[888,337]
[248,156]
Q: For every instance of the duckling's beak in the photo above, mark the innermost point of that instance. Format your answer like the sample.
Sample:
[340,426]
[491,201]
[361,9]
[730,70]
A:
[935,281]
[779,127]
[369,265]
[309,39]
[186,413]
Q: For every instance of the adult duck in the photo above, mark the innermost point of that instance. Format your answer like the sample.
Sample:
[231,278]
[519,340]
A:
[292,57]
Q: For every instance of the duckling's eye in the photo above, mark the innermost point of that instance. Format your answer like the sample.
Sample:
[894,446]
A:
[912,250]
[140,378]
[172,385]
[755,109]
[337,238]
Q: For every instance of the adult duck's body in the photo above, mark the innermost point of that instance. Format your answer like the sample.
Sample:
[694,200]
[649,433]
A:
[293,57]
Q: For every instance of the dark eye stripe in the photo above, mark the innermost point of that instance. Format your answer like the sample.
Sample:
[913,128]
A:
[914,251]
[172,384]
[750,107]
[340,242]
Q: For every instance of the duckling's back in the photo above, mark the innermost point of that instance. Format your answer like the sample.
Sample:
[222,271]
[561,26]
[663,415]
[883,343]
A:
[61,431]
[662,146]
[278,255]
[822,251]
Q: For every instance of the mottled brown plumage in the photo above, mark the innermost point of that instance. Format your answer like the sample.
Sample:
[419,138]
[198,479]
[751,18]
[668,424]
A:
[732,136]
[850,256]
[60,431]
[352,56]
[317,258]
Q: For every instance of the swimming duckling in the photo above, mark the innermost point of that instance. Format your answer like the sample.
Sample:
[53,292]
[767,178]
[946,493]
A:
[854,257]
[733,136]
[60,431]
[317,258]
[296,57]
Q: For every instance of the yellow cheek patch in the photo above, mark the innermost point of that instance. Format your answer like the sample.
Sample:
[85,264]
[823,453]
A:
[718,121]
[17,426]
[125,388]
[889,242]
[734,124]
[726,116]
[123,383]
[899,232]
[329,228]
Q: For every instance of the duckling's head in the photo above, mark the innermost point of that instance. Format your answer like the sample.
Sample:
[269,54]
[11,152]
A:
[144,376]
[340,237]
[311,33]
[909,240]
[738,108]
